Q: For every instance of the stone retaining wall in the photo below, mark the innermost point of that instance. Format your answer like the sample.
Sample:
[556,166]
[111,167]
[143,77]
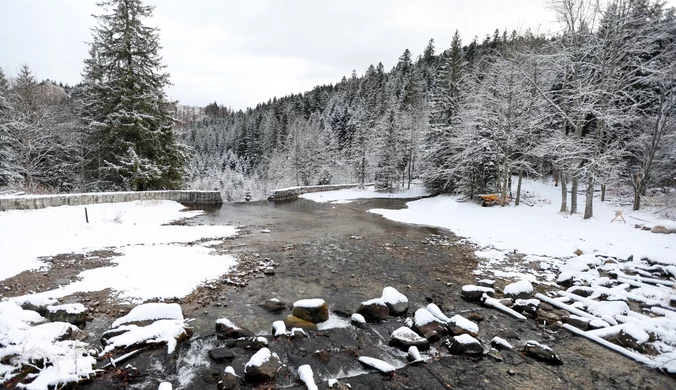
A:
[26,202]
[292,192]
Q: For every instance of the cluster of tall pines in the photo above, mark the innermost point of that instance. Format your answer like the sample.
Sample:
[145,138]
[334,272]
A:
[593,105]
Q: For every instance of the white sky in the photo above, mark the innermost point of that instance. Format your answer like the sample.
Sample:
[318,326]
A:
[240,53]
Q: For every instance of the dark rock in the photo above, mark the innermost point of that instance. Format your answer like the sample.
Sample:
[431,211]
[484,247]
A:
[404,338]
[339,386]
[542,353]
[374,310]
[634,339]
[221,355]
[474,293]
[273,305]
[464,345]
[295,322]
[227,330]
[428,326]
[528,307]
[578,322]
[509,302]
[57,314]
[262,367]
[323,356]
[509,334]
[493,354]
[550,317]
[250,343]
[311,310]
[522,289]
[565,280]
[581,291]
[490,283]
[230,381]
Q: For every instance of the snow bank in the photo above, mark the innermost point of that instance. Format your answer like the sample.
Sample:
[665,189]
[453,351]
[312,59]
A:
[415,191]
[539,229]
[64,230]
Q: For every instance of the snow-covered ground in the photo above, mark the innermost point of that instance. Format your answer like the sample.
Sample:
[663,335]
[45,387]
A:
[153,263]
[347,195]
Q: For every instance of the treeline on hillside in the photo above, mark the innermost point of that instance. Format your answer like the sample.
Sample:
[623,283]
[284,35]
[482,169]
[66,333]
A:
[592,105]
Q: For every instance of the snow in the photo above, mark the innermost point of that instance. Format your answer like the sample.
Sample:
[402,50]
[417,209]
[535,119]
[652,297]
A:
[307,377]
[309,303]
[466,339]
[278,328]
[228,323]
[464,323]
[500,341]
[164,386]
[64,230]
[608,308]
[342,196]
[414,354]
[636,332]
[161,331]
[230,370]
[434,309]
[405,333]
[538,230]
[377,364]
[151,311]
[392,296]
[333,322]
[423,317]
[471,287]
[260,357]
[374,301]
[26,338]
[358,318]
[70,308]
[146,272]
[519,287]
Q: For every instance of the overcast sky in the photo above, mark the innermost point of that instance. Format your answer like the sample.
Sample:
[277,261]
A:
[239,53]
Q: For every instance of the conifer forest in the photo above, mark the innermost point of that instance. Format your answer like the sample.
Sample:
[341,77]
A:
[592,104]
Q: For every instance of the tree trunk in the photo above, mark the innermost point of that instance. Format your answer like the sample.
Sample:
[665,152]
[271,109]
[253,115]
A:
[505,181]
[637,199]
[564,192]
[518,188]
[589,199]
[555,173]
[603,192]
[573,195]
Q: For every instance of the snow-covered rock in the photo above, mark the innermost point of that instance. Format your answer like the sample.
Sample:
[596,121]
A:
[633,336]
[307,377]
[500,343]
[73,313]
[404,338]
[358,318]
[278,328]
[294,322]
[312,310]
[541,352]
[414,354]
[474,293]
[581,323]
[395,301]
[374,310]
[150,312]
[262,366]
[460,325]
[225,329]
[428,325]
[169,332]
[378,364]
[522,289]
[230,380]
[608,308]
[464,344]
[528,307]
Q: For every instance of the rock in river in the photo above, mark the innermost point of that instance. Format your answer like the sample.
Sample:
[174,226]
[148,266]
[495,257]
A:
[312,310]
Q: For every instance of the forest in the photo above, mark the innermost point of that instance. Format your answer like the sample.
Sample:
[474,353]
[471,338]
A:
[592,105]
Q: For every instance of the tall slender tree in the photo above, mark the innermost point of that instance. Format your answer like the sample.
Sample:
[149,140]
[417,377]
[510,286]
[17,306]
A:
[125,107]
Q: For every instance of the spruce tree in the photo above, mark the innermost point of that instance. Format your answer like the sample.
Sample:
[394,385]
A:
[125,109]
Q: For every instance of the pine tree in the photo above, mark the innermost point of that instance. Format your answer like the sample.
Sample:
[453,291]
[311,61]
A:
[125,109]
[8,168]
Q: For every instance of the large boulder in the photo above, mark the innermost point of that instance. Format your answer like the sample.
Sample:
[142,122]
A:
[294,322]
[405,338]
[312,310]
[262,367]
[221,355]
[225,329]
[395,301]
[230,380]
[374,310]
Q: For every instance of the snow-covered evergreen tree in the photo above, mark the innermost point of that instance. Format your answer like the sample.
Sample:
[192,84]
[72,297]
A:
[125,107]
